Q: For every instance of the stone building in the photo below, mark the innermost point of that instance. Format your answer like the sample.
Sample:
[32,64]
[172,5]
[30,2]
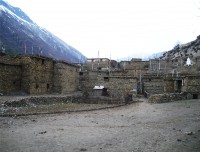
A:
[37,75]
[65,77]
[152,84]
[115,87]
[157,76]
[103,64]
[191,85]
[10,76]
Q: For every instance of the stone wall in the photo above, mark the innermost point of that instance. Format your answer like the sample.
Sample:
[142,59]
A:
[66,78]
[10,77]
[134,65]
[162,98]
[169,86]
[121,87]
[153,85]
[136,73]
[89,79]
[191,84]
[98,64]
[37,75]
[118,87]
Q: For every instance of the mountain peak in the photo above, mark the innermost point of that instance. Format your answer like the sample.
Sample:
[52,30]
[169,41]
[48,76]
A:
[16,11]
[20,35]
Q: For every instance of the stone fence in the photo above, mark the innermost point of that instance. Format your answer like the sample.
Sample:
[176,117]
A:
[162,98]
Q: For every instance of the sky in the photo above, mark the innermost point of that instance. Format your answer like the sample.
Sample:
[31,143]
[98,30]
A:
[117,28]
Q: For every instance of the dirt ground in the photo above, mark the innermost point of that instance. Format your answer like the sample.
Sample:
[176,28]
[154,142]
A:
[139,127]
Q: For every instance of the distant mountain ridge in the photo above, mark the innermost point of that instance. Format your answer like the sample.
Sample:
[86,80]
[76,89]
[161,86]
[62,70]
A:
[190,49]
[20,35]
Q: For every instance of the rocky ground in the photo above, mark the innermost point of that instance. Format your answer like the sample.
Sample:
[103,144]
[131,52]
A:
[51,104]
[139,127]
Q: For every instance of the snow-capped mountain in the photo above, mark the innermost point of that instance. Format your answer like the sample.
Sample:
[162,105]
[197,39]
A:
[20,35]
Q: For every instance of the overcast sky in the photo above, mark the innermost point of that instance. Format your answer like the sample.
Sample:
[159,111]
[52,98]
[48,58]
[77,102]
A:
[120,28]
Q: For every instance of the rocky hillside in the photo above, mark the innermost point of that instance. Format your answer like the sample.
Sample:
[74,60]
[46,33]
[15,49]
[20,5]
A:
[20,35]
[191,49]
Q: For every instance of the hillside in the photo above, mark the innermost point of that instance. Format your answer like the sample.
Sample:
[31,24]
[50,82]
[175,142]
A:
[20,35]
[191,49]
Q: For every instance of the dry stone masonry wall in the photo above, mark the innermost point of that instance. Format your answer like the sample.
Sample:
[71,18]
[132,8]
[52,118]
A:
[37,75]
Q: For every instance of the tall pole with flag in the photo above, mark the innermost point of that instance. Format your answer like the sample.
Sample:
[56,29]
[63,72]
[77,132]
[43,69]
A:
[98,58]
[109,64]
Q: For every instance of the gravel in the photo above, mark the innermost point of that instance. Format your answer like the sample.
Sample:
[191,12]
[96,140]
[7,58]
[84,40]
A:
[138,127]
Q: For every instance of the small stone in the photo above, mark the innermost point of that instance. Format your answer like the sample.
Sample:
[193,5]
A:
[83,149]
[43,132]
[189,133]
[179,140]
[60,129]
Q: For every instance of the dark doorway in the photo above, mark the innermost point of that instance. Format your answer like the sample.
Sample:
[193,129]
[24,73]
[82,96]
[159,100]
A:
[179,85]
[48,87]
[36,86]
[105,92]
[195,96]
[106,79]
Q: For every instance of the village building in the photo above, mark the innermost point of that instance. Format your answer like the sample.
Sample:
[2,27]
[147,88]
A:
[37,75]
[106,79]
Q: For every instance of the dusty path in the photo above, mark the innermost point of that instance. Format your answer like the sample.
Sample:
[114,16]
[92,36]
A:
[140,127]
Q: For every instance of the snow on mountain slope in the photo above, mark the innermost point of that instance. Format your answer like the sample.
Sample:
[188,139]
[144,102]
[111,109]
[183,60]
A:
[20,35]
[16,11]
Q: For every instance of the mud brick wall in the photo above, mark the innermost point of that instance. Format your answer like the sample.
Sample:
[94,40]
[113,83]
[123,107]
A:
[191,84]
[153,85]
[37,75]
[66,78]
[10,77]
